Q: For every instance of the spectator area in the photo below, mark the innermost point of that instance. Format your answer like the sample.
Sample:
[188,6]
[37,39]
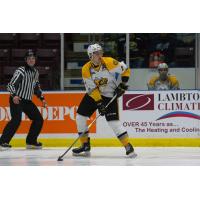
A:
[47,47]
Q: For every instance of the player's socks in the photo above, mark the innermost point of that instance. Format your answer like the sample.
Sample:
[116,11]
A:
[84,137]
[123,138]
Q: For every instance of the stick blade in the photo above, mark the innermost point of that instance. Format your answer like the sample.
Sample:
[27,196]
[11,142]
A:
[60,159]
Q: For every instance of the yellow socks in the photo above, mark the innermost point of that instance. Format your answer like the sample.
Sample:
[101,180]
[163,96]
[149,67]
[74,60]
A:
[84,138]
[124,139]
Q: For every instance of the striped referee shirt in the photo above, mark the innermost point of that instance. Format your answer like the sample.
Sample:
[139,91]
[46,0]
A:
[25,83]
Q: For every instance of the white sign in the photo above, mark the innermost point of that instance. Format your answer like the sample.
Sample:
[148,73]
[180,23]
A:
[162,114]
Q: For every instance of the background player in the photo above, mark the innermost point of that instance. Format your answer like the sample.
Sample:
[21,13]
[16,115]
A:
[163,81]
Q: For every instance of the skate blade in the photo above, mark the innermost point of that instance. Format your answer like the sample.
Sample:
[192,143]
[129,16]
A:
[83,154]
[33,147]
[132,155]
[5,148]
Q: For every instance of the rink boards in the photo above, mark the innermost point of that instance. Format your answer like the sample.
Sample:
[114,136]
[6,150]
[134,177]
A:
[152,118]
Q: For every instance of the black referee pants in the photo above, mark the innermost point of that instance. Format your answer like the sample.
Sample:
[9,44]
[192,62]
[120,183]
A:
[30,109]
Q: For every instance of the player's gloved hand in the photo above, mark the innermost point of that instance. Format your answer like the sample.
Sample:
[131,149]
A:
[120,90]
[101,108]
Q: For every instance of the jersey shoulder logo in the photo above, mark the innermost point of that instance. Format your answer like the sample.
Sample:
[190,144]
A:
[115,62]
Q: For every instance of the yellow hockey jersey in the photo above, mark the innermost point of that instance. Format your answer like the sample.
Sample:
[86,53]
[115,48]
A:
[170,84]
[104,79]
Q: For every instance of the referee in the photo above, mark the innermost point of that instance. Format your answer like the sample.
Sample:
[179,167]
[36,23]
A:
[24,83]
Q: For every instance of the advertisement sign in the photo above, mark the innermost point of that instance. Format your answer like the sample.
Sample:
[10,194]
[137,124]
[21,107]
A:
[59,116]
[162,113]
[144,114]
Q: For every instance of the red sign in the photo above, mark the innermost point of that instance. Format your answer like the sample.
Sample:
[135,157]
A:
[59,116]
[138,102]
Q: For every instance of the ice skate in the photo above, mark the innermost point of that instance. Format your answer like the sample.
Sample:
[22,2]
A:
[83,150]
[130,151]
[37,145]
[5,146]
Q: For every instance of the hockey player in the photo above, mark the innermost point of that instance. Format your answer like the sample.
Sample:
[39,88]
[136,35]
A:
[164,81]
[101,78]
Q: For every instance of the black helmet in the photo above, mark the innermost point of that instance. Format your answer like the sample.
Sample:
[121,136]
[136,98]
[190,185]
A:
[30,53]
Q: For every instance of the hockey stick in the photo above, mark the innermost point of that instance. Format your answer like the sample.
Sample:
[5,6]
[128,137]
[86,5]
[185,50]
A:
[60,158]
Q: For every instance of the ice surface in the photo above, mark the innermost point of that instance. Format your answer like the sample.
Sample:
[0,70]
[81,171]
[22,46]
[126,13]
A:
[103,156]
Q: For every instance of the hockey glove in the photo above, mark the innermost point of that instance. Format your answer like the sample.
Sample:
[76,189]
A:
[101,108]
[120,90]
